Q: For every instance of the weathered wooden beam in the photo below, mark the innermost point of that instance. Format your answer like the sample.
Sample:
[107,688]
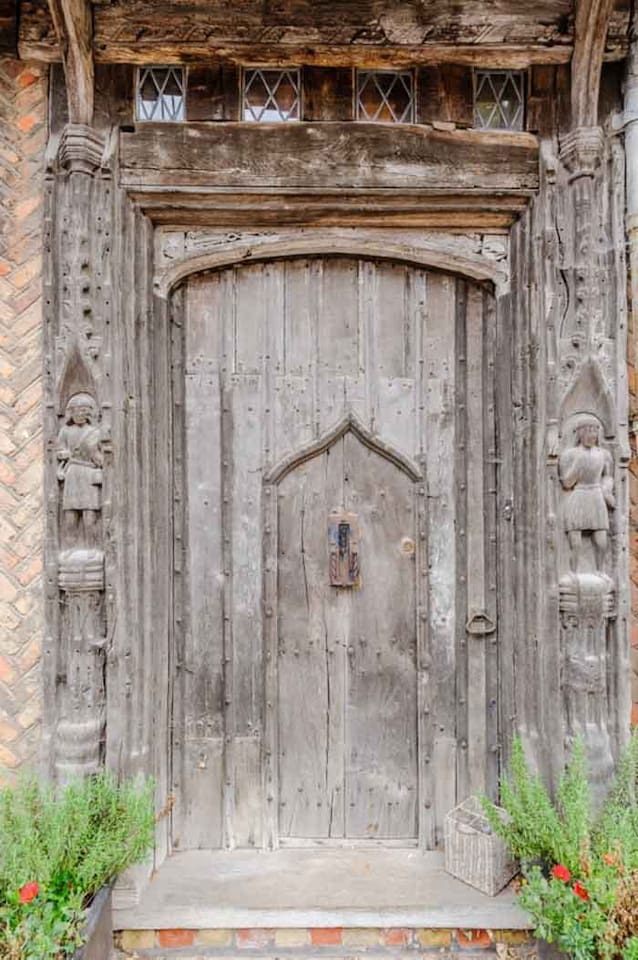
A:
[418,210]
[328,156]
[73,23]
[8,27]
[498,33]
[592,18]
[496,56]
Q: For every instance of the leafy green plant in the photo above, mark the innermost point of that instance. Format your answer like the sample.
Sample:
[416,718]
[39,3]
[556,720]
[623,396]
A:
[58,847]
[580,871]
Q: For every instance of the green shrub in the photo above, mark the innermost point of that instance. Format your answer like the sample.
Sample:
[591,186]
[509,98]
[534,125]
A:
[58,847]
[580,872]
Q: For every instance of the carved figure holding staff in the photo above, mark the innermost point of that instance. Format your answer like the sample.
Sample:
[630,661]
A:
[80,470]
[587,474]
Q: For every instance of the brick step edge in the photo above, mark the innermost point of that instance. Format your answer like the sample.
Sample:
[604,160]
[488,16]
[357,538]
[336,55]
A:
[328,942]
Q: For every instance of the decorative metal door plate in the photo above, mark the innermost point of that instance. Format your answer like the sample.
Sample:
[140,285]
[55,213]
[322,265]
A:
[343,546]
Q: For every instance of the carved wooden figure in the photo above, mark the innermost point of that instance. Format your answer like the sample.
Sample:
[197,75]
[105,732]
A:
[80,472]
[586,472]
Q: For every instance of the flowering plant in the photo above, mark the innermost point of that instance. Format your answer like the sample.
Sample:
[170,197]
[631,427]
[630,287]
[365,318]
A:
[58,847]
[580,869]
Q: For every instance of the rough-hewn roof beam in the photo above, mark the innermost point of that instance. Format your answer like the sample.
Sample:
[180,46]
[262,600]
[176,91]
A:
[496,33]
[590,34]
[74,27]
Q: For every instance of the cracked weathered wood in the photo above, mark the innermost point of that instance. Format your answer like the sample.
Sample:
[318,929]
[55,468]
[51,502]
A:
[74,27]
[364,33]
[353,683]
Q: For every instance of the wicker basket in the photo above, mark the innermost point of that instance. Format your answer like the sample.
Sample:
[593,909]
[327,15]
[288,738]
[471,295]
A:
[473,853]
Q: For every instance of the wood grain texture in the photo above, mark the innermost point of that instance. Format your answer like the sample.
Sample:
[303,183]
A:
[73,22]
[340,716]
[331,155]
[496,34]
[590,33]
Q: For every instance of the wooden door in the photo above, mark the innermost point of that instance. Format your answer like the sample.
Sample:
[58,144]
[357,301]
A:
[306,712]
[347,689]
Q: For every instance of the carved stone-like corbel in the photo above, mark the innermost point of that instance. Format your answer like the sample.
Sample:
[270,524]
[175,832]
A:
[81,149]
[582,150]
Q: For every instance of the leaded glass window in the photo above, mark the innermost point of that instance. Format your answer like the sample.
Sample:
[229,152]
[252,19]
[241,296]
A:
[499,100]
[385,96]
[160,93]
[271,95]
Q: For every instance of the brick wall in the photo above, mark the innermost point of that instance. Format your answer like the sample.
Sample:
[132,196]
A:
[336,943]
[22,142]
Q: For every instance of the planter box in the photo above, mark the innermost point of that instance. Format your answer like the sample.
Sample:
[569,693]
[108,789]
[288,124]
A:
[98,931]
[473,853]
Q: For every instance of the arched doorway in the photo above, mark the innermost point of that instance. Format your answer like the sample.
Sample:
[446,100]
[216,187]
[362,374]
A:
[322,687]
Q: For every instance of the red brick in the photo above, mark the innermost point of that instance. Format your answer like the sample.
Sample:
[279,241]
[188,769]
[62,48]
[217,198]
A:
[255,937]
[26,78]
[473,939]
[326,936]
[27,122]
[7,673]
[395,937]
[176,938]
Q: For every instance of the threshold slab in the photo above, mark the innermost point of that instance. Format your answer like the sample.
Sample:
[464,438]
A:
[202,889]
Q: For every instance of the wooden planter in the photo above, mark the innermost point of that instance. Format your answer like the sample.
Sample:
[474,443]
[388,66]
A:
[98,931]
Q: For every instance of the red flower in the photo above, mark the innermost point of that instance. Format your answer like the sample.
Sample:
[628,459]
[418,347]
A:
[559,872]
[29,891]
[609,859]
[580,891]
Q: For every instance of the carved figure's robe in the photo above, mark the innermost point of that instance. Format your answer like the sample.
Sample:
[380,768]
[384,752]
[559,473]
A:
[80,467]
[586,475]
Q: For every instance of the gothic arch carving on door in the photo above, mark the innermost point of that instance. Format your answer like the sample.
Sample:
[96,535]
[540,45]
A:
[342,732]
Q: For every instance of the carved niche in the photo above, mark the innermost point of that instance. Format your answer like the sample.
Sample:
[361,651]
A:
[79,470]
[586,588]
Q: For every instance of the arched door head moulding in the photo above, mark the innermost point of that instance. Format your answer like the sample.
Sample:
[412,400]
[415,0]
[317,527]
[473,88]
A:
[322,243]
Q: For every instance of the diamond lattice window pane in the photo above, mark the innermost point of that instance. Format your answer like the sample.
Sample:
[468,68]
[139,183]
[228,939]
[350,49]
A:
[385,96]
[160,94]
[271,95]
[499,102]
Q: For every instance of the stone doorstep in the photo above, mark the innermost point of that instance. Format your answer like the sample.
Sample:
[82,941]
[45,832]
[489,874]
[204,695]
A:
[331,943]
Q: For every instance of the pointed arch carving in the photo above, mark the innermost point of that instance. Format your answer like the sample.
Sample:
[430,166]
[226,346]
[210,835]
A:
[349,424]
[76,378]
[590,393]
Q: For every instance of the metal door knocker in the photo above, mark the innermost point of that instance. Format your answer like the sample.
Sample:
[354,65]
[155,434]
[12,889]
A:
[343,546]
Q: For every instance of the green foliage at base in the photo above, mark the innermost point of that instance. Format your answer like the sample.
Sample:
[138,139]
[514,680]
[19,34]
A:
[580,871]
[58,847]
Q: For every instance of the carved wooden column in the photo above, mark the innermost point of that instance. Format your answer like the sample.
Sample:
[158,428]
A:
[586,468]
[78,304]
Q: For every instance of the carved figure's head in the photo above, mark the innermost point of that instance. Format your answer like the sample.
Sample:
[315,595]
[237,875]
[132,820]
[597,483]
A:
[588,432]
[80,409]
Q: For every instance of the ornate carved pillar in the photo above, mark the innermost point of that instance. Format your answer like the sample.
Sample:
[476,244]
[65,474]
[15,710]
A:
[587,454]
[78,302]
